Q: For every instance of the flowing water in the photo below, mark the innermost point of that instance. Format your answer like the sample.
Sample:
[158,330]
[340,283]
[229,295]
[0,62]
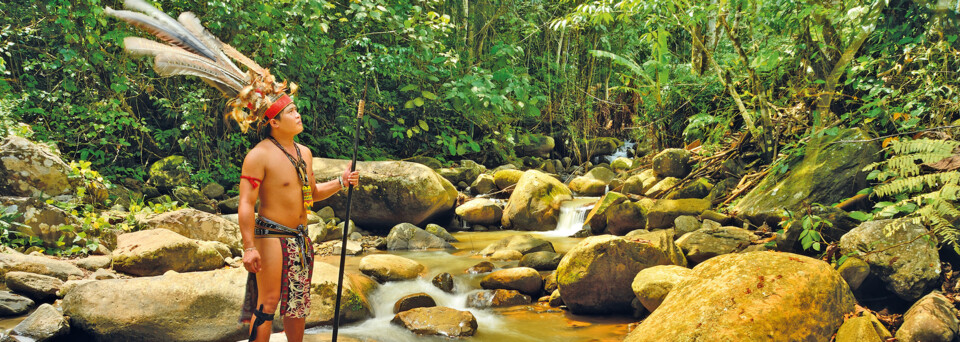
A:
[620,152]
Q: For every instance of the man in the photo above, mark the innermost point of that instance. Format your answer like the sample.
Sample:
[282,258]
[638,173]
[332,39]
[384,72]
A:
[277,251]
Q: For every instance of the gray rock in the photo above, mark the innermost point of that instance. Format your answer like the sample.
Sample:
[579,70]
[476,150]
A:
[672,162]
[213,190]
[908,265]
[541,261]
[40,220]
[438,320]
[12,304]
[36,286]
[440,232]
[93,263]
[686,224]
[62,270]
[707,243]
[933,318]
[408,236]
[199,225]
[44,324]
[524,244]
[155,251]
[31,170]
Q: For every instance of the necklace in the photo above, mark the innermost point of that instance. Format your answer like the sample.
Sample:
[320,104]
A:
[301,168]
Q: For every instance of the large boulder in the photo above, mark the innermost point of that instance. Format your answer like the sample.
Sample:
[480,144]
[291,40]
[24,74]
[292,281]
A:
[40,219]
[594,182]
[664,241]
[597,217]
[664,211]
[651,285]
[535,203]
[828,173]
[537,145]
[32,170]
[706,243]
[169,173]
[524,244]
[862,329]
[506,178]
[625,216]
[387,267]
[594,277]
[10,262]
[44,324]
[480,211]
[672,162]
[413,301]
[408,236]
[198,225]
[457,175]
[12,304]
[484,184]
[523,279]
[907,264]
[36,286]
[355,304]
[430,162]
[496,298]
[541,261]
[155,251]
[438,320]
[598,147]
[390,192]
[933,318]
[756,296]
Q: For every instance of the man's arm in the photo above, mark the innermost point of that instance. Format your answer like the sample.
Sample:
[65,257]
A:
[252,171]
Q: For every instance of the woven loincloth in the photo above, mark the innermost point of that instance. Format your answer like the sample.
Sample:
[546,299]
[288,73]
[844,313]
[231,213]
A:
[295,276]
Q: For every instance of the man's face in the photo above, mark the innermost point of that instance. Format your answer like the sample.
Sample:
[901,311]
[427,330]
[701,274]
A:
[288,120]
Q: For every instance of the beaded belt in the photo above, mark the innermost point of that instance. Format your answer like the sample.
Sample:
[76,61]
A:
[267,228]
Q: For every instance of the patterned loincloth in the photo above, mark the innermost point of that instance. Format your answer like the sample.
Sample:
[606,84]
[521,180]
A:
[296,274]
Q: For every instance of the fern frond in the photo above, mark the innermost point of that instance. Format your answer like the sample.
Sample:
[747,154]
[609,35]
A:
[907,165]
[923,146]
[917,183]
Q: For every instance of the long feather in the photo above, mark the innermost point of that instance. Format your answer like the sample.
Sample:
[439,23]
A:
[158,29]
[172,25]
[175,64]
[192,24]
[144,47]
[233,53]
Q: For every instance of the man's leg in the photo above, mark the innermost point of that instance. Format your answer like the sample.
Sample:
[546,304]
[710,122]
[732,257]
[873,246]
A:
[268,283]
[294,327]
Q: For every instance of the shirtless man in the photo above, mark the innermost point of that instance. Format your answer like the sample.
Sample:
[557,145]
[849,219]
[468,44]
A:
[277,252]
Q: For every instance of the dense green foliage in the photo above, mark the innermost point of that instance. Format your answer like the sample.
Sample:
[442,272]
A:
[462,79]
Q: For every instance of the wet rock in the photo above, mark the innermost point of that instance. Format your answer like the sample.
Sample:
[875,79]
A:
[651,285]
[854,271]
[535,203]
[541,261]
[625,217]
[672,162]
[593,183]
[534,145]
[866,328]
[663,240]
[506,255]
[355,305]
[413,301]
[62,270]
[594,277]
[828,173]
[36,286]
[353,247]
[662,213]
[438,320]
[549,281]
[443,281]
[31,170]
[40,219]
[598,147]
[743,296]
[213,190]
[707,243]
[390,193]
[440,232]
[908,265]
[524,244]
[597,217]
[480,211]
[686,224]
[555,300]
[430,162]
[523,279]
[661,187]
[482,267]
[933,318]
[621,164]
[496,299]
[169,172]
[408,236]
[198,225]
[155,251]
[387,267]
[484,184]
[93,263]
[12,304]
[44,324]
[507,178]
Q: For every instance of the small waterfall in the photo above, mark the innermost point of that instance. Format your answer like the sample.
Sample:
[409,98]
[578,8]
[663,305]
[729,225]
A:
[573,213]
[621,152]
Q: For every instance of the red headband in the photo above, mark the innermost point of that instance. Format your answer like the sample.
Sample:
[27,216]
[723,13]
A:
[278,106]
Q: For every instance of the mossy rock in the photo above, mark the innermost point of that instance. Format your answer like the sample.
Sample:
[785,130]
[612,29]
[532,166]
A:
[169,172]
[621,164]
[534,145]
[699,188]
[507,178]
[586,186]
[625,217]
[430,162]
[535,203]
[672,162]
[597,217]
[663,212]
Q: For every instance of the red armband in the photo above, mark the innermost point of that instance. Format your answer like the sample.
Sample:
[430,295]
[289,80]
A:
[253,181]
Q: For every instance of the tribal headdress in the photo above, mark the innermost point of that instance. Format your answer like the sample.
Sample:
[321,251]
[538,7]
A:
[191,49]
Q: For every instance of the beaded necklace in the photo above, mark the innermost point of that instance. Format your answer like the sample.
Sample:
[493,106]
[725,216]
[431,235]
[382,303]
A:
[301,167]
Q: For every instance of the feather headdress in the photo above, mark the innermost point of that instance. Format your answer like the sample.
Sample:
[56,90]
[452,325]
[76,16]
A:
[192,50]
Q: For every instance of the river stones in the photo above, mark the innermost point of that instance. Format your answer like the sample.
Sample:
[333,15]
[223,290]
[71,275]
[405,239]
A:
[704,244]
[653,284]
[594,277]
[444,282]
[699,188]
[751,297]
[662,213]
[535,203]
[537,145]
[664,241]
[932,318]
[155,251]
[524,244]
[438,320]
[94,262]
[523,279]
[621,164]
[480,211]
[593,183]
[390,193]
[541,261]
[672,162]
[597,217]
[506,178]
[40,265]
[355,304]
[31,170]
[387,267]
[12,304]
[498,298]
[198,225]
[662,186]
[440,232]
[407,236]
[484,184]
[36,286]
[686,224]
[854,271]
[625,216]
[413,301]
[863,329]
[44,324]
[908,265]
[481,267]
